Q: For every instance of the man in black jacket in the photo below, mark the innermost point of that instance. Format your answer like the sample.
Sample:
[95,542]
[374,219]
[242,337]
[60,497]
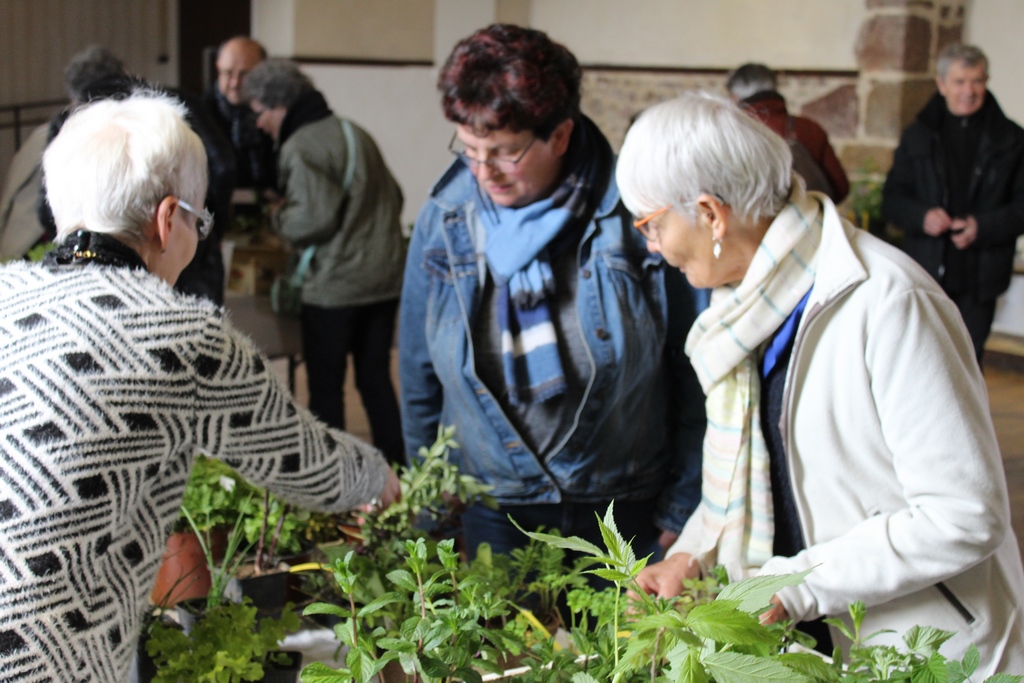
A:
[956,188]
[255,160]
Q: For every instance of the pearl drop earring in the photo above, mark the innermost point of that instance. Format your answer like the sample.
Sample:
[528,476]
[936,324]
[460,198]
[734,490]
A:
[717,249]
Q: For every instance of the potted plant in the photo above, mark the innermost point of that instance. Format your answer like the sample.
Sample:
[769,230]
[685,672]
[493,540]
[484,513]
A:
[221,640]
[214,498]
[436,610]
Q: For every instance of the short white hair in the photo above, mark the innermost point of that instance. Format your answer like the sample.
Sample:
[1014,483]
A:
[114,161]
[701,143]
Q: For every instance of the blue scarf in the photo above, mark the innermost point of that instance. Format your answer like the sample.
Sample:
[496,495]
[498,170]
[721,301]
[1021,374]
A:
[520,244]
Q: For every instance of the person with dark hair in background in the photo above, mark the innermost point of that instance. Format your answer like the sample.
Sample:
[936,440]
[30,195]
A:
[755,88]
[341,199]
[255,162]
[956,189]
[534,319]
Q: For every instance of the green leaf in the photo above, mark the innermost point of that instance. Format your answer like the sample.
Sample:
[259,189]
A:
[326,608]
[730,667]
[404,580]
[396,644]
[612,575]
[970,661]
[722,622]
[934,671]
[1004,678]
[571,543]
[809,665]
[754,594]
[318,672]
[468,675]
[583,677]
[380,603]
[925,640]
[690,669]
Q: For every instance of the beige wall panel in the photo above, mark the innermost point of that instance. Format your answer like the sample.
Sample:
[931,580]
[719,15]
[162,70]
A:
[994,26]
[786,34]
[273,24]
[365,29]
[39,37]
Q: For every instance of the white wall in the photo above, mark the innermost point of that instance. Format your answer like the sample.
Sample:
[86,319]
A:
[994,26]
[793,34]
[400,108]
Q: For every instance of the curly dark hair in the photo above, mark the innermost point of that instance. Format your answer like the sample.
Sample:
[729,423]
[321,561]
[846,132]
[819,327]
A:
[506,76]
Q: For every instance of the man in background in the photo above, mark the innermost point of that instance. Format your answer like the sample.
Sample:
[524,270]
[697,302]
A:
[754,86]
[956,189]
[254,151]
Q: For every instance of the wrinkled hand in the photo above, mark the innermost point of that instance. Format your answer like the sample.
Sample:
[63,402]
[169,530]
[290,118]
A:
[964,232]
[936,222]
[776,613]
[665,578]
[391,493]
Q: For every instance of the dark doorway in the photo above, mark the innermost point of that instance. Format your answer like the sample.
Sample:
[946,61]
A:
[202,27]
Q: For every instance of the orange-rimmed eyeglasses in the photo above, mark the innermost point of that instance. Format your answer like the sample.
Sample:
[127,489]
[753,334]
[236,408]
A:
[644,224]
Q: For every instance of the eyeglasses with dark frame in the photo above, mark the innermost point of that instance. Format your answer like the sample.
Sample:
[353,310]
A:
[204,219]
[500,164]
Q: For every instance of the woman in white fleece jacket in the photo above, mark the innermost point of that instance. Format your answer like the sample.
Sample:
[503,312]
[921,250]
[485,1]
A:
[848,424]
[110,381]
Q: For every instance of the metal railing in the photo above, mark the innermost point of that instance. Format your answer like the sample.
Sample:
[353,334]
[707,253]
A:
[27,115]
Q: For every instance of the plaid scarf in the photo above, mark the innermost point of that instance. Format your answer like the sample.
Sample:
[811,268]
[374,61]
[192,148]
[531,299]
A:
[723,347]
[520,243]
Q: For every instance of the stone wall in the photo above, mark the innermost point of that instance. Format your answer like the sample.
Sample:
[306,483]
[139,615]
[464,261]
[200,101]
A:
[864,111]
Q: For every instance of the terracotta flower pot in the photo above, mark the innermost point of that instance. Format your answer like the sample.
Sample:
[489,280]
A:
[184,573]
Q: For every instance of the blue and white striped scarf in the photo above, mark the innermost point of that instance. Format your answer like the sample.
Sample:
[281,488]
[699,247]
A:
[520,243]
[739,525]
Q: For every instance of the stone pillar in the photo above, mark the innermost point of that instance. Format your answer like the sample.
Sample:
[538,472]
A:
[896,52]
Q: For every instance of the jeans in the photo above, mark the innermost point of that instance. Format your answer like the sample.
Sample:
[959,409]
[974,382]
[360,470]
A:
[328,336]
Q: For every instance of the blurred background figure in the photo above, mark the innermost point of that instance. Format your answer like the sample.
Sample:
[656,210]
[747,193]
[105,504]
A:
[534,319]
[956,189]
[754,86]
[255,163]
[20,228]
[350,294]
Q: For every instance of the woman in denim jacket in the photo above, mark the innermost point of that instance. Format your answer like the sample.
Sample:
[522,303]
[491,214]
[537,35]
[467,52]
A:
[534,319]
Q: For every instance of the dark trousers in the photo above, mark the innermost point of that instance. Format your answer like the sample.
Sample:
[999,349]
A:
[978,316]
[329,335]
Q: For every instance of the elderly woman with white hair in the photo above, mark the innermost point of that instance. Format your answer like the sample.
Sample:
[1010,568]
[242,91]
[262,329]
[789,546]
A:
[848,424]
[110,382]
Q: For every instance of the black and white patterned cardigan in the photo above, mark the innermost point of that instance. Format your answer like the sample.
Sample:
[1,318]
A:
[109,383]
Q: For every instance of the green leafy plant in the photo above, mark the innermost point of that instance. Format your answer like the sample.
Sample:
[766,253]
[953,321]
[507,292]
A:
[215,496]
[447,635]
[226,645]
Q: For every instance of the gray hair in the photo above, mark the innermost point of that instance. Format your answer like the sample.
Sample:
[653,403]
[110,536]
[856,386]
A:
[114,161]
[968,55]
[701,143]
[750,79]
[90,66]
[276,83]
